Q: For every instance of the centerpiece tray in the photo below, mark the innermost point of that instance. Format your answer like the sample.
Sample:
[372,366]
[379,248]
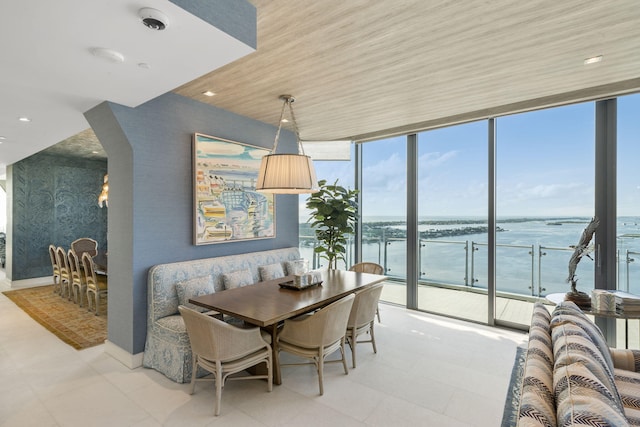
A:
[291,285]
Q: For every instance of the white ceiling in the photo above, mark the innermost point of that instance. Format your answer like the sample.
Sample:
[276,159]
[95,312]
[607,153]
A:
[359,69]
[50,75]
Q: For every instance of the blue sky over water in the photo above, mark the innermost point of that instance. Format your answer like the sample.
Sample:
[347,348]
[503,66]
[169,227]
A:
[545,166]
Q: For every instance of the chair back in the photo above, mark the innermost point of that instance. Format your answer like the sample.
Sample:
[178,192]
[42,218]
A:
[74,267]
[54,261]
[322,328]
[367,267]
[214,339]
[89,272]
[63,262]
[365,305]
[85,244]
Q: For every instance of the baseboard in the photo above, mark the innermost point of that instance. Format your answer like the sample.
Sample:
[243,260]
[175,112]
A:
[30,283]
[129,360]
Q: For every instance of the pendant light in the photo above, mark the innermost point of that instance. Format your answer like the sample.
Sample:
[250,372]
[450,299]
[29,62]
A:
[287,173]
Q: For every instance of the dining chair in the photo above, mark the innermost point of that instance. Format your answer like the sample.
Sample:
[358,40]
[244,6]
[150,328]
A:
[371,268]
[65,276]
[85,244]
[223,349]
[316,336]
[96,285]
[57,288]
[362,318]
[78,284]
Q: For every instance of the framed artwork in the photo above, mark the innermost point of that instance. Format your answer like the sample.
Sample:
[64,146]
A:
[227,206]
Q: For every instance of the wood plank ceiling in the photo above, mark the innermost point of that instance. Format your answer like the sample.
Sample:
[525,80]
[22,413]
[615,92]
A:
[362,69]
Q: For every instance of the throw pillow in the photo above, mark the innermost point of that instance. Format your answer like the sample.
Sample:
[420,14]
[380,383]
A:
[237,279]
[192,288]
[271,271]
[298,266]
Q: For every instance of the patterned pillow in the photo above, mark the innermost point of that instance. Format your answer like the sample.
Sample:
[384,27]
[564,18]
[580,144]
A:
[237,279]
[271,271]
[568,311]
[628,383]
[537,401]
[298,266]
[192,288]
[582,399]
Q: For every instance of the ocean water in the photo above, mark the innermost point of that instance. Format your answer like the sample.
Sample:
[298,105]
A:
[532,254]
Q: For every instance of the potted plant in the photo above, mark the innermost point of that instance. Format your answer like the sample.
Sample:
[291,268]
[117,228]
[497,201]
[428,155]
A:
[333,215]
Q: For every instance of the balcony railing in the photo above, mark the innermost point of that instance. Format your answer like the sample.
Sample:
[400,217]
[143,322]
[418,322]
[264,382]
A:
[526,270]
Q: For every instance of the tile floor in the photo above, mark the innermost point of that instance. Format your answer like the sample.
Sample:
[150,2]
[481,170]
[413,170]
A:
[429,371]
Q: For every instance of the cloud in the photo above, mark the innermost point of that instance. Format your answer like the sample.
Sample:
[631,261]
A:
[435,159]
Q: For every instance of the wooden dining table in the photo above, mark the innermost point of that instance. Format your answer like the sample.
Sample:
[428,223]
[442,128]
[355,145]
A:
[266,304]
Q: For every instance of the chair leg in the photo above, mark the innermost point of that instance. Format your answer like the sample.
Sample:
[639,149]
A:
[352,343]
[194,372]
[344,359]
[269,373]
[378,313]
[320,369]
[219,381]
[373,338]
[97,302]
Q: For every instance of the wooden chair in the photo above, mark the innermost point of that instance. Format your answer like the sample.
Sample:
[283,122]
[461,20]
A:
[65,276]
[223,349]
[371,268]
[318,335]
[362,318]
[57,288]
[96,285]
[85,244]
[78,284]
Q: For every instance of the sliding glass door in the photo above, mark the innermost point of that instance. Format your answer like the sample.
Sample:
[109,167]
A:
[452,221]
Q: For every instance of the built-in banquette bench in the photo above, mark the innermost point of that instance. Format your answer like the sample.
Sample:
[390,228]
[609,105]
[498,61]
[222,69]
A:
[167,347]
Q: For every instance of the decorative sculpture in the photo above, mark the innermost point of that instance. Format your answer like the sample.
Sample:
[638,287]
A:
[582,249]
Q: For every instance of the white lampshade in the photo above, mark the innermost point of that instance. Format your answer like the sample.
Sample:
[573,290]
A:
[287,174]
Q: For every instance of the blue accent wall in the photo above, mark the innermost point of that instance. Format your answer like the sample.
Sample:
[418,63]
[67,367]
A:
[151,196]
[55,201]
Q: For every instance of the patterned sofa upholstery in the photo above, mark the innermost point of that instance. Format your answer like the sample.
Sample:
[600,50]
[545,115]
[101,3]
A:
[167,347]
[571,377]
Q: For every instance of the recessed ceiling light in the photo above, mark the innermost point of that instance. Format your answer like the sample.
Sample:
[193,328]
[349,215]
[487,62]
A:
[593,60]
[3,137]
[108,54]
[208,93]
[24,119]
[285,121]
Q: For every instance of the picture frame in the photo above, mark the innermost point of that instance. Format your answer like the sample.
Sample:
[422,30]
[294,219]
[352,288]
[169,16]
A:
[226,205]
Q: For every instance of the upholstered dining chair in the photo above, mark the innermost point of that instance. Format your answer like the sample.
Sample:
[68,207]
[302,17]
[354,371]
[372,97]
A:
[85,244]
[78,283]
[96,285]
[318,335]
[362,318]
[224,349]
[65,276]
[57,288]
[372,268]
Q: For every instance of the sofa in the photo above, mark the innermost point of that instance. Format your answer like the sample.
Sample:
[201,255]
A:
[167,347]
[571,377]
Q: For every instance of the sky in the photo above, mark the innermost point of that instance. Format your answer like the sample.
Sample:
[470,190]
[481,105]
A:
[545,166]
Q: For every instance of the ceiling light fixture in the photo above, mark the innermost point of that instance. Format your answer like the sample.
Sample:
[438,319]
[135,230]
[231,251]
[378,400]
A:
[208,93]
[287,173]
[108,54]
[24,119]
[593,60]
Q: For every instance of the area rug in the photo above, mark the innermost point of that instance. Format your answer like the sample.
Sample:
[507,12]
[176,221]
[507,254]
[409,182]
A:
[71,323]
[510,414]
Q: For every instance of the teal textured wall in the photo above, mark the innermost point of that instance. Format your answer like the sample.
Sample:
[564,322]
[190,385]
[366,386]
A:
[54,202]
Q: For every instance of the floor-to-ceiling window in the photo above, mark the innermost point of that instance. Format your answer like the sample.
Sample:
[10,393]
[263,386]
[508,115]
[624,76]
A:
[628,209]
[544,199]
[330,171]
[383,201]
[452,221]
